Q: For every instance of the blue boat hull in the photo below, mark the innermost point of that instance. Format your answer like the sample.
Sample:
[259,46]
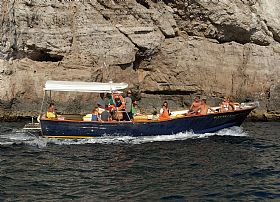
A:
[197,124]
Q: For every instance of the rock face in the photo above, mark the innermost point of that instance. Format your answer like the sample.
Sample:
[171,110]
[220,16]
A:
[165,50]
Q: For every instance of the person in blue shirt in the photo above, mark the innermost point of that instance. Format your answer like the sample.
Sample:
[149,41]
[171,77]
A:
[95,115]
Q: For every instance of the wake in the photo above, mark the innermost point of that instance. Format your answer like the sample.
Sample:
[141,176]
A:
[21,137]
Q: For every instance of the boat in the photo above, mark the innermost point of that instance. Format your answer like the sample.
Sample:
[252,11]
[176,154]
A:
[76,126]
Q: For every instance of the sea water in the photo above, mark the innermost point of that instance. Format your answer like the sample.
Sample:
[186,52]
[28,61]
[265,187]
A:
[240,163]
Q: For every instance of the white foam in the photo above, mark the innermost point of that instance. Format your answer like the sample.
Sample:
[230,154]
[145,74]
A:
[22,137]
[18,137]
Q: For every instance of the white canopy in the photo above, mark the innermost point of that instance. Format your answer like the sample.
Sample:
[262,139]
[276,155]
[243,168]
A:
[79,86]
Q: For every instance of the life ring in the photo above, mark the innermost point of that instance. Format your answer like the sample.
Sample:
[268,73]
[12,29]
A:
[119,102]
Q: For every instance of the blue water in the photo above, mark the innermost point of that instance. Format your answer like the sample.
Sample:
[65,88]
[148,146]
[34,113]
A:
[237,164]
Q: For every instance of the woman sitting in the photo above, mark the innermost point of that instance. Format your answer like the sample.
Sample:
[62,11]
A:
[51,111]
[165,113]
[165,103]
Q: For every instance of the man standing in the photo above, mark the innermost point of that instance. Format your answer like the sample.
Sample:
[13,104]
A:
[128,106]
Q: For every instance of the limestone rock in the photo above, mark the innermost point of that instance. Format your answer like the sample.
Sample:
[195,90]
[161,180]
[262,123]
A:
[231,20]
[165,50]
[274,97]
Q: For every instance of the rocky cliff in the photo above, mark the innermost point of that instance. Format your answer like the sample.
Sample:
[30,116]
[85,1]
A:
[165,49]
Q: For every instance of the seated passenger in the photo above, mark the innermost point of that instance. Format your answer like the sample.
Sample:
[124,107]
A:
[165,103]
[105,115]
[95,115]
[234,105]
[224,105]
[165,113]
[227,105]
[51,111]
[203,108]
[195,106]
[135,109]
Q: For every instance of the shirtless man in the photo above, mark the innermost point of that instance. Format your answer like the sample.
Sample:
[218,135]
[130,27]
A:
[203,108]
[195,106]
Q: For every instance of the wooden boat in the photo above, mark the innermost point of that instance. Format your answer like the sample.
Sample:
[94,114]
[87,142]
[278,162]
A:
[75,126]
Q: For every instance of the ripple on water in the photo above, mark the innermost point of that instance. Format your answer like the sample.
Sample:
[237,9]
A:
[240,163]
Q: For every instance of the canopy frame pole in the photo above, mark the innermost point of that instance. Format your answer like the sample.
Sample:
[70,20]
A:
[127,115]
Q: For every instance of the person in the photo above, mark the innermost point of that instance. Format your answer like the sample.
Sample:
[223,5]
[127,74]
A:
[51,111]
[101,103]
[128,106]
[105,115]
[224,105]
[203,108]
[195,106]
[135,109]
[227,105]
[116,106]
[95,115]
[109,100]
[233,105]
[119,103]
[165,113]
[165,103]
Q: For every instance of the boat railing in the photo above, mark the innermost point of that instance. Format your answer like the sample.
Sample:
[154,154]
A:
[32,126]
